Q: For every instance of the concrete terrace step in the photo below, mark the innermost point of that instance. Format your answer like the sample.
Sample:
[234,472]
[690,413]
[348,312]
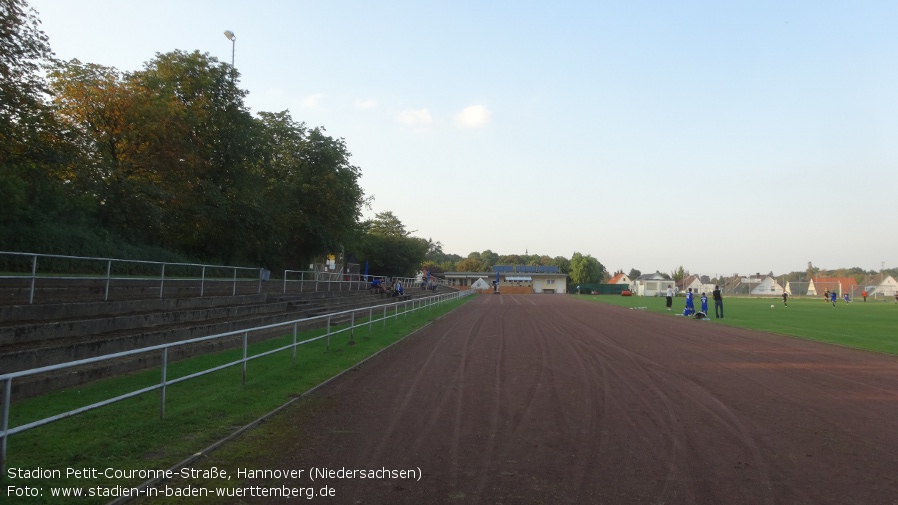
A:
[61,350]
[85,309]
[33,336]
[33,333]
[54,291]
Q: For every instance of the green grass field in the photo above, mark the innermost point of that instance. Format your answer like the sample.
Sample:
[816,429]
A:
[867,325]
[130,435]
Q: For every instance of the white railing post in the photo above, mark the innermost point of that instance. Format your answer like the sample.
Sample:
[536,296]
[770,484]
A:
[164,383]
[295,331]
[352,327]
[108,273]
[7,392]
[162,282]
[245,345]
[33,278]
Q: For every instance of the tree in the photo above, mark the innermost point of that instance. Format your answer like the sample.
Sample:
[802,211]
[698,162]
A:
[387,248]
[563,264]
[387,225]
[469,265]
[489,258]
[219,215]
[23,49]
[678,274]
[172,157]
[311,192]
[586,269]
[436,258]
[115,158]
[510,259]
[634,274]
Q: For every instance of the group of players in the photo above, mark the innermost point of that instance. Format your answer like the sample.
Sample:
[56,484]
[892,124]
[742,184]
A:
[828,296]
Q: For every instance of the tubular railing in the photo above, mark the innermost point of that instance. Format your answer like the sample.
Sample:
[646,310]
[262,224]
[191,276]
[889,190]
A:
[304,280]
[106,271]
[35,269]
[6,379]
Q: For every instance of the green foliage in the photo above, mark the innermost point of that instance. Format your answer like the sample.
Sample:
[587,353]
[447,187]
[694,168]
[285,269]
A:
[386,224]
[387,248]
[311,193]
[678,274]
[586,269]
[23,49]
[164,158]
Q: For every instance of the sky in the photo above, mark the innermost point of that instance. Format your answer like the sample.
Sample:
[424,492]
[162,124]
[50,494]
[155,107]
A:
[724,137]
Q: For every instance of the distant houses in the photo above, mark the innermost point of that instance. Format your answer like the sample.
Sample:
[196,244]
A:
[881,285]
[699,284]
[651,285]
[753,285]
[768,285]
[620,279]
[819,285]
[797,288]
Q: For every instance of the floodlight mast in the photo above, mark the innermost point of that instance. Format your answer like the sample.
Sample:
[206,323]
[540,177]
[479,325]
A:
[233,38]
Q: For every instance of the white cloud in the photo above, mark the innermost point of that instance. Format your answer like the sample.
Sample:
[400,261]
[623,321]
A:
[473,116]
[365,104]
[312,101]
[418,117]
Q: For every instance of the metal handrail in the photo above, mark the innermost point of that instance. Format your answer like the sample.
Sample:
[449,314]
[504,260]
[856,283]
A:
[7,378]
[108,277]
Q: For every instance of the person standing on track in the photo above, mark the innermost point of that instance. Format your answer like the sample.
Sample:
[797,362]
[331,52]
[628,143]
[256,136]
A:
[670,294]
[718,302]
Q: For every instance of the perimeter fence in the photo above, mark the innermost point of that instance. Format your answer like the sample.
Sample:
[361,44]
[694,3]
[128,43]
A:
[34,278]
[353,319]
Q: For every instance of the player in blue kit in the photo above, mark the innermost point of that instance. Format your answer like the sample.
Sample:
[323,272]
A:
[690,304]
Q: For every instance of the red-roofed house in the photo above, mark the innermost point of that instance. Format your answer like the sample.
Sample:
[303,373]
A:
[840,285]
[620,279]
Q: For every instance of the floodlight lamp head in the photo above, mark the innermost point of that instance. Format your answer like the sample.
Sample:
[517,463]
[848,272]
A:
[230,35]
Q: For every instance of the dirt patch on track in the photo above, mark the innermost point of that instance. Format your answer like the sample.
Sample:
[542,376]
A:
[547,399]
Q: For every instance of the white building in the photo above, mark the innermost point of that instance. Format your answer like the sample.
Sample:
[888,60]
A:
[766,286]
[652,285]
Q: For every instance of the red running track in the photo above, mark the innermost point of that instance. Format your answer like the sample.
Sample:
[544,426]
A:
[519,399]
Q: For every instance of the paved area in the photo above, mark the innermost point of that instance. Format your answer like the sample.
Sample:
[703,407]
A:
[517,399]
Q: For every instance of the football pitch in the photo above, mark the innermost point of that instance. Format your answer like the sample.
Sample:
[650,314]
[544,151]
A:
[867,325]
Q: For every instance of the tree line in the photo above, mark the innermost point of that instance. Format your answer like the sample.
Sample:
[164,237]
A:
[167,163]
[166,158]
